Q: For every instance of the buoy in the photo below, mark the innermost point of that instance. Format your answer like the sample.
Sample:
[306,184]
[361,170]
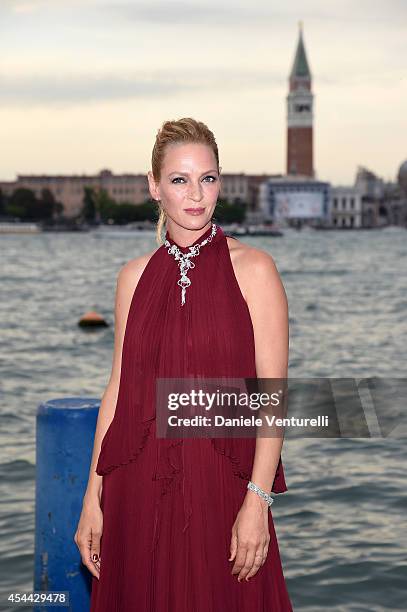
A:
[92,319]
[64,442]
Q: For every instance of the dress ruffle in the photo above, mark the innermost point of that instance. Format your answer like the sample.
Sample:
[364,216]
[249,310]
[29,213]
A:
[171,466]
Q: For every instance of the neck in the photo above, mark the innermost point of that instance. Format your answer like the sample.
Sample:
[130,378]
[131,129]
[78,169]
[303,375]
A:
[183,236]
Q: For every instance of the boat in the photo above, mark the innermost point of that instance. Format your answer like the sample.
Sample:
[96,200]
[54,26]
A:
[253,230]
[20,228]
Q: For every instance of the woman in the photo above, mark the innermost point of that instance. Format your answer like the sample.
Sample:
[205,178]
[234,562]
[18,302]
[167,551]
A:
[170,524]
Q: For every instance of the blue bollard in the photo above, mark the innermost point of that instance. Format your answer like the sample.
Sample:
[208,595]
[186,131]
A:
[65,434]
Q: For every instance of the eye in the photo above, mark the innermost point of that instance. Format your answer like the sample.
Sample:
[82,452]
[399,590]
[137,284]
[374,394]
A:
[180,178]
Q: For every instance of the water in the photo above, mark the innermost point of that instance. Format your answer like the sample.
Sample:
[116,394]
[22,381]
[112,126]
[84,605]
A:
[340,528]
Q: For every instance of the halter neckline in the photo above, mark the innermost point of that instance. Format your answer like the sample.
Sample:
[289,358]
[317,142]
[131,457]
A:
[206,234]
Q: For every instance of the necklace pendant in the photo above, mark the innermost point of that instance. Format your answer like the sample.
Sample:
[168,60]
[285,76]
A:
[184,282]
[185,262]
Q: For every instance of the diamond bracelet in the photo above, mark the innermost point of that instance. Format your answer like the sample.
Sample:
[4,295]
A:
[256,489]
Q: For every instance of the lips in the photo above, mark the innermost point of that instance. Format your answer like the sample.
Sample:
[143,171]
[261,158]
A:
[194,211]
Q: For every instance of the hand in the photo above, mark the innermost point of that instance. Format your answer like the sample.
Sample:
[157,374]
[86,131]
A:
[89,533]
[250,536]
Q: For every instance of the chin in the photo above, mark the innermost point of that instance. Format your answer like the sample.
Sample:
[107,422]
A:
[195,222]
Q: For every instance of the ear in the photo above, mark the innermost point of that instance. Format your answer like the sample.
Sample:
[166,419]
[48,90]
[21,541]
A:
[154,190]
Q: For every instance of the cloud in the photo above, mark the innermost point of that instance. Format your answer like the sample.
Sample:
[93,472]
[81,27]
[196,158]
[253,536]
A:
[28,7]
[69,89]
[261,13]
[178,12]
[155,11]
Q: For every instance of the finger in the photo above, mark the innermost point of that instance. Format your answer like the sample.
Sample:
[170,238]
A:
[265,550]
[85,545]
[84,550]
[95,546]
[233,546]
[240,558]
[258,562]
[248,564]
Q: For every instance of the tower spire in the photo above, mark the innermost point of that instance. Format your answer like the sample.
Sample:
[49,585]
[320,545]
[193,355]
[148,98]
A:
[300,65]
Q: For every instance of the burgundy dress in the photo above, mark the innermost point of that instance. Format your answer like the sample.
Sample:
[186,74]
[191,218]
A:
[169,504]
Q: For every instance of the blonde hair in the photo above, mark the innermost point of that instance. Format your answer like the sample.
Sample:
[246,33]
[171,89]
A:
[186,130]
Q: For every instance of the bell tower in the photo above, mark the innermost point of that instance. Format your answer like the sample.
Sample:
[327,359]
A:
[300,115]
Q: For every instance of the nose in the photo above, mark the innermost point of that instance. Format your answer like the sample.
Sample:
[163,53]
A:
[195,192]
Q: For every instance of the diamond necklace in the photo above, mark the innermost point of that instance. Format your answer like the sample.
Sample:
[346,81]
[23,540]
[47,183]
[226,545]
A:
[185,262]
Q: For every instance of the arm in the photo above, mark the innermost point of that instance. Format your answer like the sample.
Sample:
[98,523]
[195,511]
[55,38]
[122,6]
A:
[267,302]
[90,526]
[268,307]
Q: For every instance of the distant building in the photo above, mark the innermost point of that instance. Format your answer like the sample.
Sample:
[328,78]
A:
[393,208]
[300,116]
[369,185]
[234,187]
[402,178]
[69,189]
[383,203]
[295,201]
[345,207]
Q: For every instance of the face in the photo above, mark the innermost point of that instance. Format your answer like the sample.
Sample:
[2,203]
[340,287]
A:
[189,182]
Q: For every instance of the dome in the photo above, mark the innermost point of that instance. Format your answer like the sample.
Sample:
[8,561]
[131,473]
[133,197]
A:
[402,176]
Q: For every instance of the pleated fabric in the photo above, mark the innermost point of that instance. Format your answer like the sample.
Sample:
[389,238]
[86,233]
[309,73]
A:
[169,504]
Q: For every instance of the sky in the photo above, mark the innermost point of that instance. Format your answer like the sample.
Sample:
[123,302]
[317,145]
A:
[86,84]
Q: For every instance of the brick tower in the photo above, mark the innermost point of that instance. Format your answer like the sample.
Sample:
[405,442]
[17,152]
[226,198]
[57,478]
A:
[299,115]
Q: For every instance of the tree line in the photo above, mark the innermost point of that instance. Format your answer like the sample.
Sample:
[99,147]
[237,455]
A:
[97,207]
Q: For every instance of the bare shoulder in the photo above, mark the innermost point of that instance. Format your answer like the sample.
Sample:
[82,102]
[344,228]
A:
[254,268]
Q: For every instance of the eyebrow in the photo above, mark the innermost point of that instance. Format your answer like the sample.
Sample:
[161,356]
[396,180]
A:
[186,173]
